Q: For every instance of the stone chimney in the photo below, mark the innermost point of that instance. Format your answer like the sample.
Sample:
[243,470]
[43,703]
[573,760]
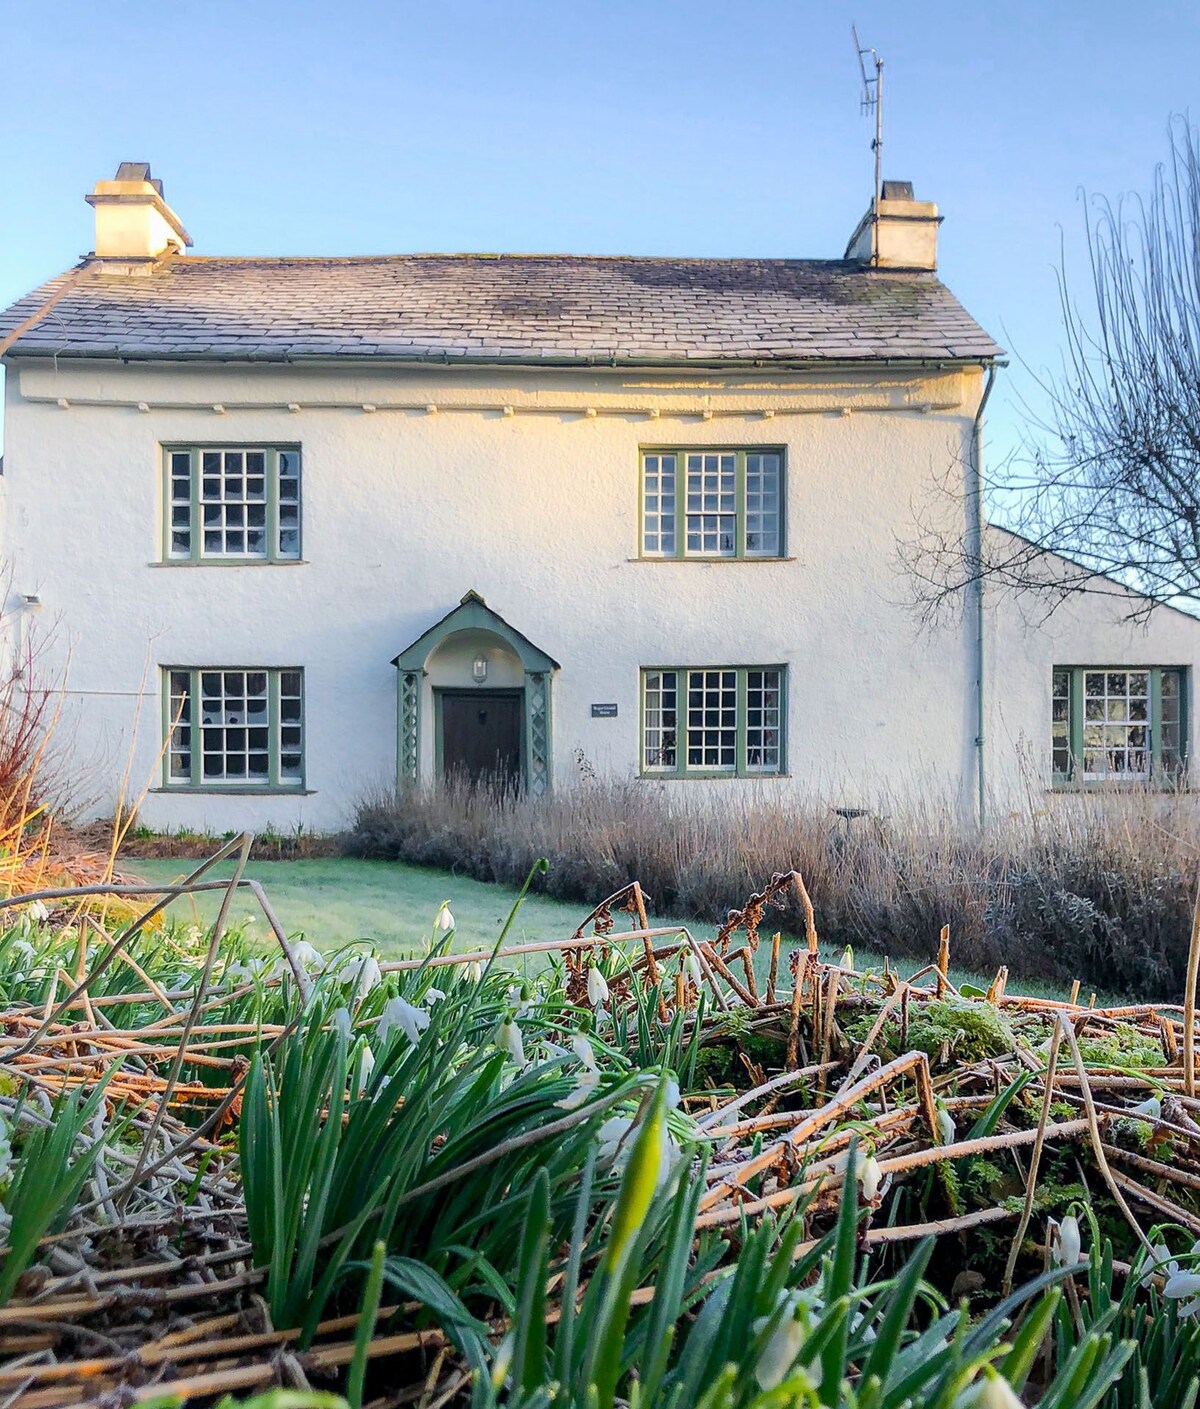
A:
[133,222]
[903,237]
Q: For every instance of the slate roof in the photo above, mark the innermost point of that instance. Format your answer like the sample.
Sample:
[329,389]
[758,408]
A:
[548,309]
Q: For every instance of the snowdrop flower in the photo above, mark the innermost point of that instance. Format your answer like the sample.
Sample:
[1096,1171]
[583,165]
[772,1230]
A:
[250,920]
[1066,1244]
[1184,1287]
[848,958]
[597,987]
[616,1138]
[340,1021]
[38,913]
[364,1067]
[445,920]
[432,995]
[473,972]
[871,1177]
[509,1040]
[946,1127]
[308,956]
[397,1012]
[691,967]
[1158,1263]
[589,1079]
[672,1093]
[21,947]
[1150,1109]
[245,969]
[991,1392]
[521,999]
[363,970]
[582,1049]
[785,1342]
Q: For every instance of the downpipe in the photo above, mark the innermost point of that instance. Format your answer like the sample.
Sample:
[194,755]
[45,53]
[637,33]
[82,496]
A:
[975,564]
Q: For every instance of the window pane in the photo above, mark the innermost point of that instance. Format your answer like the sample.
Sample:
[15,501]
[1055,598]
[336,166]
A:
[712,719]
[658,505]
[763,720]
[1171,743]
[660,719]
[1116,741]
[1060,725]
[711,516]
[762,505]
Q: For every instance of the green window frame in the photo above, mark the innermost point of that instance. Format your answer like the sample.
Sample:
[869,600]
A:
[231,503]
[1113,724]
[712,502]
[725,721]
[233,728]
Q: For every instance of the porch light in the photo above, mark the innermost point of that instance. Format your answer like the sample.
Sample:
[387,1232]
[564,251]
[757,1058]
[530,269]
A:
[479,669]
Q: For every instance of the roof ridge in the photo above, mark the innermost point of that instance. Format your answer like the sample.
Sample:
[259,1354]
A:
[500,255]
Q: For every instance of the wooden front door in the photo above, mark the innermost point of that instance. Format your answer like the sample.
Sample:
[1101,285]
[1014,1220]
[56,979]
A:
[481,735]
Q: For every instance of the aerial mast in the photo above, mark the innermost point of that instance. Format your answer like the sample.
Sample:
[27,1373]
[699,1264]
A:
[871,100]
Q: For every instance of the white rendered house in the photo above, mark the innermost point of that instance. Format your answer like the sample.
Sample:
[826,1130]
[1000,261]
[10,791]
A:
[304,526]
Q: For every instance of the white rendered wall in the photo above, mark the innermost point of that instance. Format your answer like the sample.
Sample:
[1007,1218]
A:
[404,511]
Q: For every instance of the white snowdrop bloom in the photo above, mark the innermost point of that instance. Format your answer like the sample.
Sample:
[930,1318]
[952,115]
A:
[21,947]
[589,1079]
[1149,1109]
[521,999]
[445,919]
[38,913]
[241,970]
[691,967]
[250,920]
[871,1176]
[597,987]
[946,1127]
[308,956]
[785,1342]
[1158,1263]
[1066,1243]
[433,995]
[340,1021]
[473,972]
[1184,1287]
[509,1039]
[991,1392]
[363,970]
[399,1013]
[615,1139]
[364,1066]
[848,958]
[583,1050]
[672,1094]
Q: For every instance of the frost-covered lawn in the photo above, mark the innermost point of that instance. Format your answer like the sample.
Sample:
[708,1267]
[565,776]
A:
[336,900]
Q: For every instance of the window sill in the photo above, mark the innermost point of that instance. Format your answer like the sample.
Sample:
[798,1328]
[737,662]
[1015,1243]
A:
[1117,785]
[714,558]
[229,563]
[696,775]
[227,790]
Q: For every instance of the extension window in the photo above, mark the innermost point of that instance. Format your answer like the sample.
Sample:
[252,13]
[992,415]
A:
[1119,724]
[725,721]
[231,504]
[239,730]
[712,503]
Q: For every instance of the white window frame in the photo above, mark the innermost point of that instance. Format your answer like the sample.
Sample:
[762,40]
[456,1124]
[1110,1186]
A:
[194,734]
[688,713]
[740,498]
[210,492]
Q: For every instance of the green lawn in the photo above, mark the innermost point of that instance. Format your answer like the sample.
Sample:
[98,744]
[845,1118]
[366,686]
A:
[336,900]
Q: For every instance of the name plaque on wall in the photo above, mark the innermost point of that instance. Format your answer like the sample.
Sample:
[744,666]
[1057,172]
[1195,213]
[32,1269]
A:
[604,711]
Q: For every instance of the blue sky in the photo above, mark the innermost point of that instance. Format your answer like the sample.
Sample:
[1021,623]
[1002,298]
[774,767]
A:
[662,127]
